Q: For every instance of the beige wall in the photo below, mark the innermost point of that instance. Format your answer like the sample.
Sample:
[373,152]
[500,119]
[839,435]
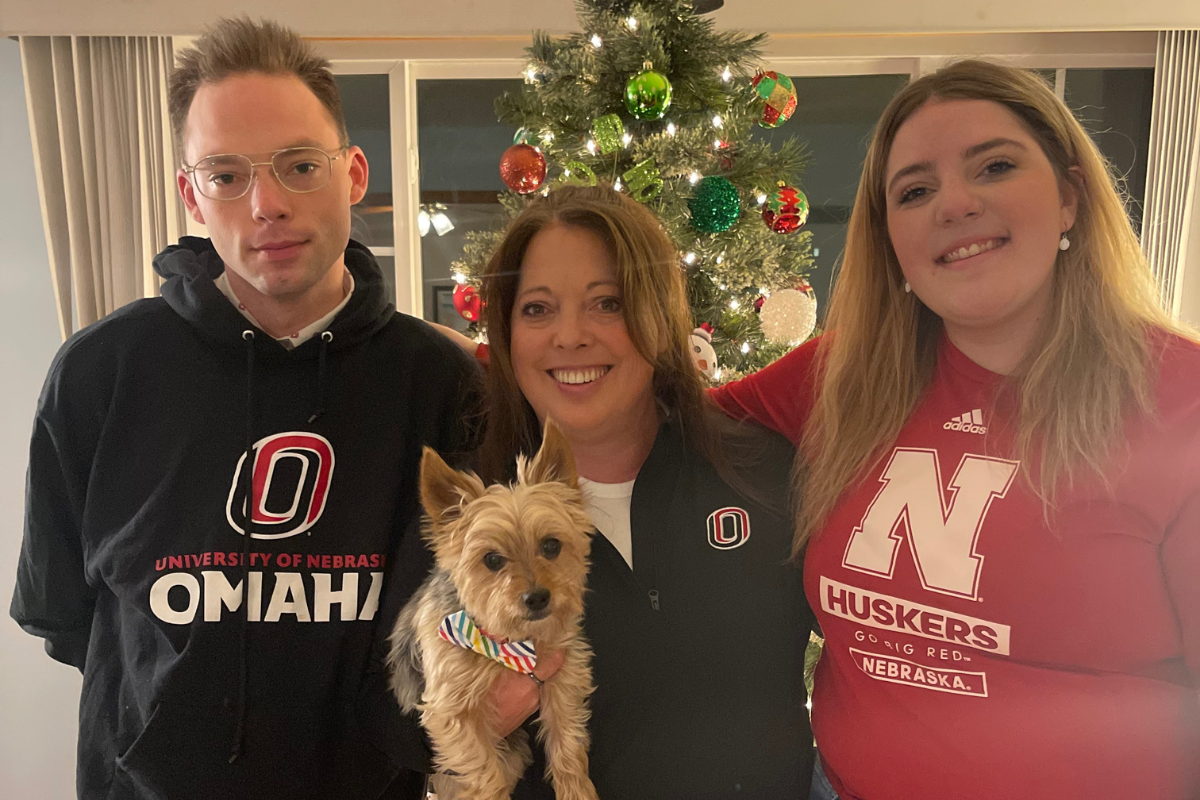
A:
[490,18]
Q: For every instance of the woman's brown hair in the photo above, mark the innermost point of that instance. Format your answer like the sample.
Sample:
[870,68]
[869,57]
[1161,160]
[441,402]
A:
[654,300]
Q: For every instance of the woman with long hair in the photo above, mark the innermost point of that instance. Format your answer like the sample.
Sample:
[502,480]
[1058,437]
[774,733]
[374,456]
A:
[698,624]
[999,468]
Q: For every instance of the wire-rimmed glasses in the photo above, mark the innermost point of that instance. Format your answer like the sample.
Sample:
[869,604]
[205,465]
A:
[228,176]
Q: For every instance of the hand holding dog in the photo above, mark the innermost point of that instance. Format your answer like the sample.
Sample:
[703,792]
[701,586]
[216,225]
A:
[514,697]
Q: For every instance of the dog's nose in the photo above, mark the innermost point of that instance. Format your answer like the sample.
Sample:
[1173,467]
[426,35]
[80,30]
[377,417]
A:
[537,600]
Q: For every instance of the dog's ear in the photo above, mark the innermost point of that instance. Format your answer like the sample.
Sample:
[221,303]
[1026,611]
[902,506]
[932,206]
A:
[444,490]
[554,461]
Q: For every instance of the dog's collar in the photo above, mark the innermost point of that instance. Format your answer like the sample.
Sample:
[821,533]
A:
[459,629]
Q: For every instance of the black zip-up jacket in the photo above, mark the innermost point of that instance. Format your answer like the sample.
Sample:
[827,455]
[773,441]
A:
[207,675]
[699,649]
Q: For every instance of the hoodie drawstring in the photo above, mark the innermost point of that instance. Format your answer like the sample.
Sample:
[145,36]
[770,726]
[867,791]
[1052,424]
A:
[239,734]
[326,338]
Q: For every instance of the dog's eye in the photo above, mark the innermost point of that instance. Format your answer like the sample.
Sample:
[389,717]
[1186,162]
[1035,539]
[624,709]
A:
[551,547]
[494,561]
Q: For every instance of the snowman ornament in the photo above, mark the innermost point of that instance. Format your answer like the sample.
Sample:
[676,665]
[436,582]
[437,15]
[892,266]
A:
[700,342]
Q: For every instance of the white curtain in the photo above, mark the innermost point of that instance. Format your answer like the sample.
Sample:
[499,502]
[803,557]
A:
[1171,179]
[105,166]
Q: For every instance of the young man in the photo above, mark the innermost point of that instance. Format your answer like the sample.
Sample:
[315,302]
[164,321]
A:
[220,479]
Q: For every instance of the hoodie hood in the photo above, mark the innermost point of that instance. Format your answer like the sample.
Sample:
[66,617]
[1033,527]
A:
[190,267]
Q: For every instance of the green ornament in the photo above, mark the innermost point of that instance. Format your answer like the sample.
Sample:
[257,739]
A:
[577,173]
[648,94]
[608,130]
[644,181]
[715,206]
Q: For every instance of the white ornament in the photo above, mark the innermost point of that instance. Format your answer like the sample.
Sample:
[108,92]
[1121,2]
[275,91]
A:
[700,344]
[788,316]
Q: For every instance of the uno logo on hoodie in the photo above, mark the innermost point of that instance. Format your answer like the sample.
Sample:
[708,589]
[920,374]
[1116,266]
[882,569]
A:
[728,528]
[291,477]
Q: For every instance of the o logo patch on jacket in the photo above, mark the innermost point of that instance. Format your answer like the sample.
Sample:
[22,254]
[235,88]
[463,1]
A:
[291,476]
[728,528]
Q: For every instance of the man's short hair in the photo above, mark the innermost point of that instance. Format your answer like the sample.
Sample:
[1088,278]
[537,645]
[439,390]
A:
[236,46]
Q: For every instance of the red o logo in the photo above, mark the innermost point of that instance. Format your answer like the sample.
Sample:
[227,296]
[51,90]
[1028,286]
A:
[291,476]
[728,528]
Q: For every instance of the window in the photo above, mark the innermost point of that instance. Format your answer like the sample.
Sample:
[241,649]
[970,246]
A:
[1114,106]
[460,143]
[368,120]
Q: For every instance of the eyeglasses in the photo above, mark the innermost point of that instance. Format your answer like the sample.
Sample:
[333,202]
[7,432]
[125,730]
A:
[298,169]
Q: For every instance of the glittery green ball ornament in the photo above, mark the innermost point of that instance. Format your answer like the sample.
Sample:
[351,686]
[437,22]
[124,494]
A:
[648,95]
[715,206]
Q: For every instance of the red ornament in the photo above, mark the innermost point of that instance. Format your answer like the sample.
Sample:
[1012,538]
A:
[467,302]
[786,209]
[523,168]
[758,304]
[707,327]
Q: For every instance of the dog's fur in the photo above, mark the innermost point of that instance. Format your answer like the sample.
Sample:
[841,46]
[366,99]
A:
[448,684]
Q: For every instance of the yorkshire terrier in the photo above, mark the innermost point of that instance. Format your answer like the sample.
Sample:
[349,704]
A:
[510,569]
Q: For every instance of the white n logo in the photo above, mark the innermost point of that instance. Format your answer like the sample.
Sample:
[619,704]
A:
[941,536]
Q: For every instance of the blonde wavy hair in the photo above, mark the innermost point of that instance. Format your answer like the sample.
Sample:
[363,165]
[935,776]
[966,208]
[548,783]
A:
[1092,361]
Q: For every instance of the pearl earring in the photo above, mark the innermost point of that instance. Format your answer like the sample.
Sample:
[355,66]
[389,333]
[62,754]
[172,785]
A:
[1064,242]
[907,288]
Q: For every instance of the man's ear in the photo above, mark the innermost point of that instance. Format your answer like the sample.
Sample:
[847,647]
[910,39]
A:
[359,172]
[445,490]
[554,461]
[188,193]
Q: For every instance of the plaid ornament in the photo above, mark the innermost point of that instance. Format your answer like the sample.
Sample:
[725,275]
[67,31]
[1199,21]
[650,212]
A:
[780,95]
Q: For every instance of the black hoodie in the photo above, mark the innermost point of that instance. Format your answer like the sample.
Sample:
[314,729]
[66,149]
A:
[132,562]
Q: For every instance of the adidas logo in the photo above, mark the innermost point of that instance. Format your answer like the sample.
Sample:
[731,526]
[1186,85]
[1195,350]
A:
[970,422]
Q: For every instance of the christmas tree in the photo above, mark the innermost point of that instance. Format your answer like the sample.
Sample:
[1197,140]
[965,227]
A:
[651,99]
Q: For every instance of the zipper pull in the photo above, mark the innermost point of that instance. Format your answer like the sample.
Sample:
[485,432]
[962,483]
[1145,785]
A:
[653,599]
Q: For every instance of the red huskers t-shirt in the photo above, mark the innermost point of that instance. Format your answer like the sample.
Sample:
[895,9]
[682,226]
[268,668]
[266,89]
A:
[975,650]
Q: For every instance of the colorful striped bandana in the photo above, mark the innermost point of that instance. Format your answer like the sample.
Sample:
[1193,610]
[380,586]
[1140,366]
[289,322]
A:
[461,630]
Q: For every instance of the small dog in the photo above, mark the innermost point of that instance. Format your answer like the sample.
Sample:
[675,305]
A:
[514,560]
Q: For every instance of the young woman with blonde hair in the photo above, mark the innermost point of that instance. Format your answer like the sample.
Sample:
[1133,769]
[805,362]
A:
[1000,468]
